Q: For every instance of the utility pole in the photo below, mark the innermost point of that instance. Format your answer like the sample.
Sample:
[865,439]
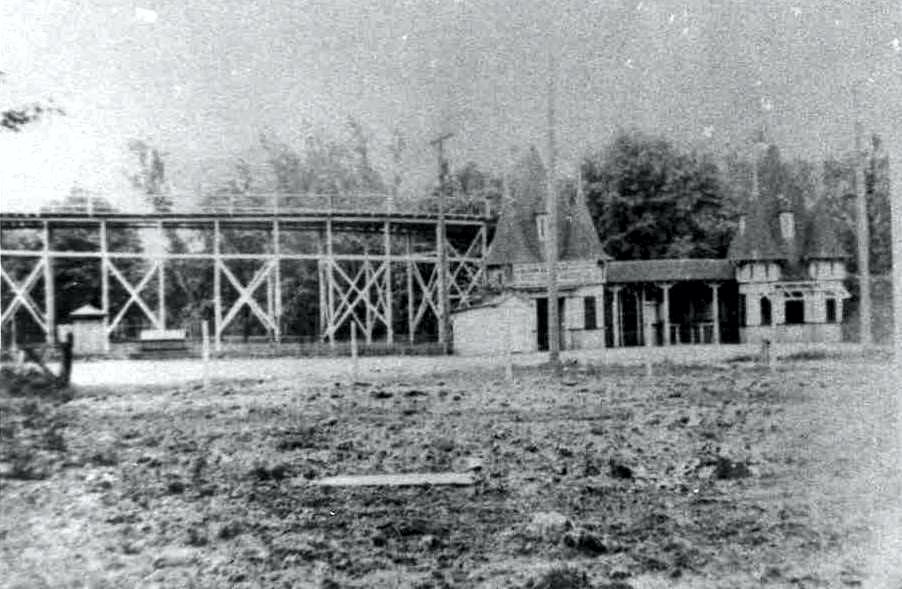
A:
[554,321]
[864,270]
[895,199]
[444,311]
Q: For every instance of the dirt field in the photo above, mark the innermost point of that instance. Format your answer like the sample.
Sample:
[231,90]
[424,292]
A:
[727,475]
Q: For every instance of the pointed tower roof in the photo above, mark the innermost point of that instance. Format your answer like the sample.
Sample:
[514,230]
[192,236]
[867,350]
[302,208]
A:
[516,237]
[822,240]
[579,238]
[757,242]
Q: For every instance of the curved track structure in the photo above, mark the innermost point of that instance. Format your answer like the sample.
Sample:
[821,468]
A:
[377,270]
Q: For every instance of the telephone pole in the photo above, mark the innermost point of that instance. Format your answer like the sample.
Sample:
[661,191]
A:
[863,233]
[554,321]
[442,271]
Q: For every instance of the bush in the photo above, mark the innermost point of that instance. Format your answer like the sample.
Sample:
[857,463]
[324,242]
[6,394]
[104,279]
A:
[29,381]
[561,577]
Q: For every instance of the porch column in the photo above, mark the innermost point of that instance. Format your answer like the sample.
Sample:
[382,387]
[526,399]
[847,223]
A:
[665,288]
[616,320]
[599,309]
[715,308]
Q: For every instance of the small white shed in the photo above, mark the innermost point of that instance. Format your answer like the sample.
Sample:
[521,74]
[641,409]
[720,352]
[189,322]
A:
[487,328]
[88,330]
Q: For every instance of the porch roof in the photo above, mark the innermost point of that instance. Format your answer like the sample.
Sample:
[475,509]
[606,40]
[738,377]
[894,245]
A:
[669,270]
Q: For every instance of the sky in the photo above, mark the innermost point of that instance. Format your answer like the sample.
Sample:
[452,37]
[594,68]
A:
[203,79]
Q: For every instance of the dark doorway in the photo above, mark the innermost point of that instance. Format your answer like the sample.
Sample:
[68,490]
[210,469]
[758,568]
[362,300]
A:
[542,322]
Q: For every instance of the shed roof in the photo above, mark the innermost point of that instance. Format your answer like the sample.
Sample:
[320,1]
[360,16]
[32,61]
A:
[86,311]
[669,270]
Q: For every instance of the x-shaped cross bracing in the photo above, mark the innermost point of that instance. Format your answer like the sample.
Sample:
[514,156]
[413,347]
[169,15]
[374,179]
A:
[430,293]
[134,295]
[353,295]
[22,296]
[246,296]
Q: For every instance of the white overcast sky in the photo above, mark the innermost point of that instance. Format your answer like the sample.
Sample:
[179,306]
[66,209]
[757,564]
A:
[202,79]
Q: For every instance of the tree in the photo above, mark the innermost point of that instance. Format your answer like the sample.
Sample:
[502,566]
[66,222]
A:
[650,201]
[13,119]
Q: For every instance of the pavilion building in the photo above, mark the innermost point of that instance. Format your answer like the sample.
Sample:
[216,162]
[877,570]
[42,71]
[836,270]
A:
[782,280]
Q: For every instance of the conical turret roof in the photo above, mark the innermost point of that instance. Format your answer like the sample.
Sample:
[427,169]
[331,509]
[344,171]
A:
[757,241]
[822,242]
[516,237]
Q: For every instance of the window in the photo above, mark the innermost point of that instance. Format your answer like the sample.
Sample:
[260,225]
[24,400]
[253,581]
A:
[589,318]
[795,311]
[831,310]
[765,311]
[542,226]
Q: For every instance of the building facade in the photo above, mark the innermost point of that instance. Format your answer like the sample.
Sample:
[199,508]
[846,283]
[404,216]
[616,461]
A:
[782,281]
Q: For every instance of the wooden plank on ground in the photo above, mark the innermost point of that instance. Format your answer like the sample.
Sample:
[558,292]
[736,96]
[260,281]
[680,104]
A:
[398,480]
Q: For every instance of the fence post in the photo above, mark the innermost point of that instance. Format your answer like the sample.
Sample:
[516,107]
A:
[205,343]
[66,368]
[354,366]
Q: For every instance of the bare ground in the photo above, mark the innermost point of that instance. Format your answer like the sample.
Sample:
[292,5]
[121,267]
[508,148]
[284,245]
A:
[725,475]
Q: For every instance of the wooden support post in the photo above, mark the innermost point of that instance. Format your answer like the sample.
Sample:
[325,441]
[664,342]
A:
[368,283]
[205,343]
[863,234]
[554,324]
[410,301]
[321,284]
[354,361]
[270,303]
[277,274]
[442,275]
[217,286]
[389,308]
[715,310]
[617,326]
[66,361]
[105,285]
[647,333]
[508,345]
[330,284]
[161,284]
[895,199]
[49,289]
[483,254]
[440,237]
[665,311]
[600,308]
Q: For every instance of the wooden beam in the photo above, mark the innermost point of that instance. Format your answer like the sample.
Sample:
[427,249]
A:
[217,286]
[105,285]
[389,308]
[330,283]
[161,284]
[863,235]
[460,479]
[49,290]
[411,328]
[277,274]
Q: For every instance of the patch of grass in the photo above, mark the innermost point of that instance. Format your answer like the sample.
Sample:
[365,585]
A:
[809,355]
[560,577]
